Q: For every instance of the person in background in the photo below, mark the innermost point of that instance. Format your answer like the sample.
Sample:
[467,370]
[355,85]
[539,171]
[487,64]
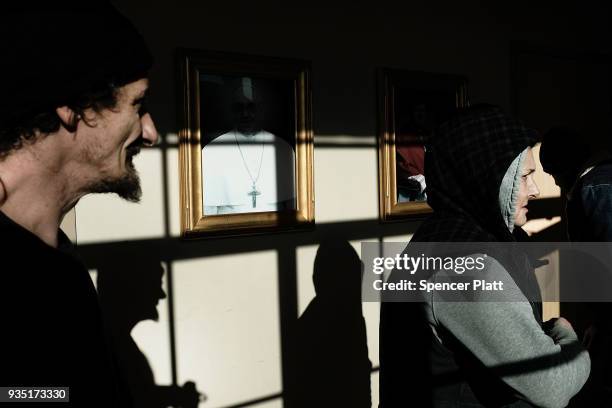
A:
[584,175]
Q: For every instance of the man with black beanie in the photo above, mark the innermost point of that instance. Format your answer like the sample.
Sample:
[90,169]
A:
[584,175]
[72,88]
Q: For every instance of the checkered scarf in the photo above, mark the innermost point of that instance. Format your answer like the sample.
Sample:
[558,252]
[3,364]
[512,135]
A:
[464,166]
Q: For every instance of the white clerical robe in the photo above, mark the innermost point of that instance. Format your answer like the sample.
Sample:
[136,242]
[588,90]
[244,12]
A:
[233,162]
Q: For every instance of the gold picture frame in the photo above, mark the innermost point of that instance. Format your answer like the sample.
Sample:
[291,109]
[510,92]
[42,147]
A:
[410,105]
[211,83]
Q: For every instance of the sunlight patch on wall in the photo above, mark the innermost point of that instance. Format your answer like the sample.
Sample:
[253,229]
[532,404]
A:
[68,225]
[371,314]
[93,274]
[305,264]
[227,326]
[398,238]
[277,403]
[346,184]
[106,217]
[172,138]
[374,381]
[540,224]
[545,182]
[172,167]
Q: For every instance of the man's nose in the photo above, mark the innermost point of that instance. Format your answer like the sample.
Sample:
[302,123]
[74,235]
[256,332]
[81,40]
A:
[149,132]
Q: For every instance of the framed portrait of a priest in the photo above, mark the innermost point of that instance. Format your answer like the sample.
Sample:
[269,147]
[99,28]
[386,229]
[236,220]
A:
[246,145]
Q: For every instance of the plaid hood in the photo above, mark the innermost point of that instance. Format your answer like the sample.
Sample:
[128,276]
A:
[464,166]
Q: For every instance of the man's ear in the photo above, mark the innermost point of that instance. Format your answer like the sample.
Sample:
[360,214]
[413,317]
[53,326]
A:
[68,117]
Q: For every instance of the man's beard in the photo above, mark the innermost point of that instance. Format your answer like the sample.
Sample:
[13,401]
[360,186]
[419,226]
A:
[126,186]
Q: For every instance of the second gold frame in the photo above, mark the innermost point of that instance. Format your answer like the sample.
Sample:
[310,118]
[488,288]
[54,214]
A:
[410,105]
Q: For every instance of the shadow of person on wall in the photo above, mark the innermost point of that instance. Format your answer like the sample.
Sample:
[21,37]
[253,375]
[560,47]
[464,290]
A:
[129,292]
[332,365]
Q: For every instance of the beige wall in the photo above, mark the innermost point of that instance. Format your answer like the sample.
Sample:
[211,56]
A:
[69,225]
[234,299]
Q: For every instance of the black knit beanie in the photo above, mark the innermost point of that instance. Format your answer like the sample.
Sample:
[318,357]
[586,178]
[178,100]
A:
[50,54]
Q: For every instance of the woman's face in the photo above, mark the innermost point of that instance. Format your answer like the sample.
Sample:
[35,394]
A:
[528,189]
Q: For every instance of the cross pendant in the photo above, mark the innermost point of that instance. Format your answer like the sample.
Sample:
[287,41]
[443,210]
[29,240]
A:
[254,193]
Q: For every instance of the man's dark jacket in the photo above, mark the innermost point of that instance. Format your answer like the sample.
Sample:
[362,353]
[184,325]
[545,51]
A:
[51,325]
[589,210]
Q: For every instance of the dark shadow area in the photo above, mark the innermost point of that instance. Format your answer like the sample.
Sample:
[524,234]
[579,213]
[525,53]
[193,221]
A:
[247,105]
[591,320]
[257,401]
[548,208]
[332,368]
[594,319]
[554,233]
[405,360]
[129,291]
[176,249]
[545,208]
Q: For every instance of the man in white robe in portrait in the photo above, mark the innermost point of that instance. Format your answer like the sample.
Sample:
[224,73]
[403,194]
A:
[247,169]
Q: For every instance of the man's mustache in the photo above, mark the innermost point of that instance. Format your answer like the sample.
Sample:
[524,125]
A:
[134,148]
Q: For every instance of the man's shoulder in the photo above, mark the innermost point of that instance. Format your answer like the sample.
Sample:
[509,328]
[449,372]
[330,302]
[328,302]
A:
[17,242]
[601,174]
[28,260]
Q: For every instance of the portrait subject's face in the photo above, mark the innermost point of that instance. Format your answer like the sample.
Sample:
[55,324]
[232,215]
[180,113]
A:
[244,114]
[528,189]
[114,137]
[245,111]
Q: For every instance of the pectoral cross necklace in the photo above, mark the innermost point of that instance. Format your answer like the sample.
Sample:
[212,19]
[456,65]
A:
[254,192]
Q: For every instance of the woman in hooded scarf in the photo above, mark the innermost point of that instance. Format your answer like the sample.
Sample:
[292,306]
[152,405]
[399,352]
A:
[479,171]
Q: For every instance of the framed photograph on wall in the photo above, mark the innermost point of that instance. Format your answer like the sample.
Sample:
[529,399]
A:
[410,105]
[246,144]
